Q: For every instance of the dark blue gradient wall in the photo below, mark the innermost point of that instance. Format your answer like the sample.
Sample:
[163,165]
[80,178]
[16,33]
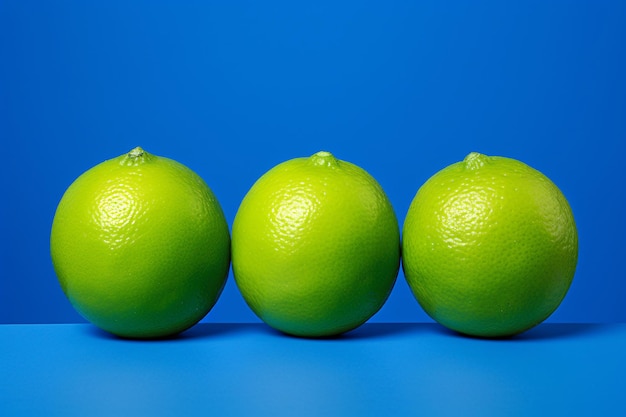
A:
[401,88]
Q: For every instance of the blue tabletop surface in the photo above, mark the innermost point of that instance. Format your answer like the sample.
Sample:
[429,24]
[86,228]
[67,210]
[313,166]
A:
[249,369]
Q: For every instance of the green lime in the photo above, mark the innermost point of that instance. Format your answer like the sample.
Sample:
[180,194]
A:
[489,246]
[316,246]
[140,246]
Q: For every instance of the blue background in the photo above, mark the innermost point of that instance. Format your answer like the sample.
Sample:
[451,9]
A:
[402,89]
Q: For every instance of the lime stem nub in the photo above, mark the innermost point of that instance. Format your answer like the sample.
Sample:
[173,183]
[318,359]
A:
[475,160]
[135,157]
[136,153]
[324,158]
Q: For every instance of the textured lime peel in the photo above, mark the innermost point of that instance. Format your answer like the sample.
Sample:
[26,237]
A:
[316,246]
[140,249]
[489,246]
